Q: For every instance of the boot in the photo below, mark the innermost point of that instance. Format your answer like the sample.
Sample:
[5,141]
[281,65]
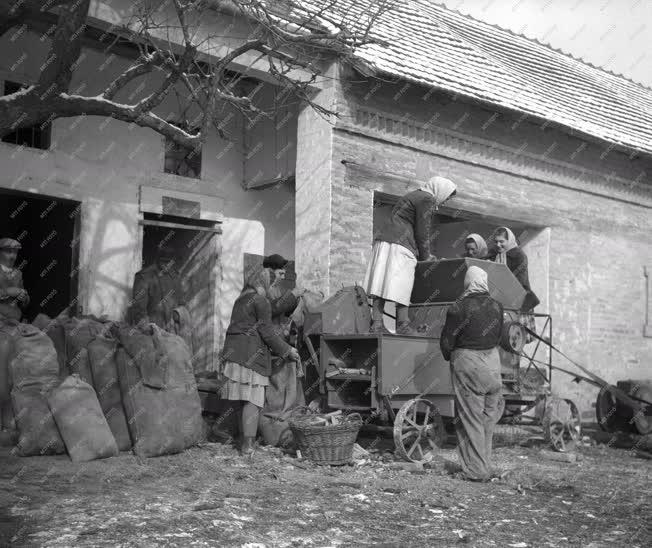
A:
[247,446]
[403,326]
[377,324]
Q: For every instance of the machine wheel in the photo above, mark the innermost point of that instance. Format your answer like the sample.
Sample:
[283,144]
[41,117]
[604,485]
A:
[605,411]
[513,337]
[562,426]
[643,416]
[418,430]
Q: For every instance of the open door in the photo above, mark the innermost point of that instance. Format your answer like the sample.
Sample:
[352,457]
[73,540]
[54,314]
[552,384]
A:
[198,275]
[197,245]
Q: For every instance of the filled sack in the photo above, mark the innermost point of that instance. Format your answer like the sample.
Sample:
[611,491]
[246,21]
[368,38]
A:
[79,332]
[37,431]
[162,420]
[80,421]
[34,371]
[104,368]
[53,328]
[6,349]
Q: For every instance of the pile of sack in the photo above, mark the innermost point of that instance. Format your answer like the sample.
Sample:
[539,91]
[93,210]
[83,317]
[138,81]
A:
[93,387]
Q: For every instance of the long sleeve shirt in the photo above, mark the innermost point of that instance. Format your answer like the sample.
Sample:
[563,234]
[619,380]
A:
[410,223]
[475,322]
[251,335]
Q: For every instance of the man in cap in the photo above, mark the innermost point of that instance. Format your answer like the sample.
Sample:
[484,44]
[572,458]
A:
[285,390]
[157,291]
[13,297]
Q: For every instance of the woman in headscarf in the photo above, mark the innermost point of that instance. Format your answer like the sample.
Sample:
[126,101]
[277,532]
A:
[469,340]
[475,247]
[509,253]
[246,357]
[404,239]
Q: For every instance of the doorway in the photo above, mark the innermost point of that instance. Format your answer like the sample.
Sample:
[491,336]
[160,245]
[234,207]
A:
[48,229]
[196,243]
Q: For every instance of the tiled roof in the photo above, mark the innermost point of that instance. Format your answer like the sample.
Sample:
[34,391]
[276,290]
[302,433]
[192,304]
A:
[426,43]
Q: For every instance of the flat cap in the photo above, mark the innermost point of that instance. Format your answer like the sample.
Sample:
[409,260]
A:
[9,243]
[275,261]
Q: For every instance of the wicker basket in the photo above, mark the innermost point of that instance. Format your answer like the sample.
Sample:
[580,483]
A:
[326,444]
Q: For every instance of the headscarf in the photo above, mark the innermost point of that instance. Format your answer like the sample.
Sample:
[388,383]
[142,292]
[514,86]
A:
[511,243]
[475,281]
[256,277]
[480,244]
[440,188]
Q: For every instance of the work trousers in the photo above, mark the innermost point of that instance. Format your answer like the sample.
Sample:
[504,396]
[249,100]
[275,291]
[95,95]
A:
[478,407]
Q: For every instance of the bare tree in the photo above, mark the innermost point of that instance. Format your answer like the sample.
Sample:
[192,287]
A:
[170,36]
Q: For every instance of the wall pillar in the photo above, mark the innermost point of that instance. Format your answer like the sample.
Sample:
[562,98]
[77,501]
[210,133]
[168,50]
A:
[313,189]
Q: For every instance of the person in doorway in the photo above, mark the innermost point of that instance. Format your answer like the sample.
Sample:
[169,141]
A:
[246,356]
[13,297]
[157,291]
[475,247]
[405,238]
[508,252]
[469,341]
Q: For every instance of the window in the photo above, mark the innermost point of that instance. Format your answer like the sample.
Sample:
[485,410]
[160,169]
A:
[36,136]
[181,160]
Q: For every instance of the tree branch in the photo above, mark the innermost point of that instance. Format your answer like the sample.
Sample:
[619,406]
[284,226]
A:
[145,66]
[65,48]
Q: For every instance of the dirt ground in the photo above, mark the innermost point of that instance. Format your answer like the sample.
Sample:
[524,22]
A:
[210,496]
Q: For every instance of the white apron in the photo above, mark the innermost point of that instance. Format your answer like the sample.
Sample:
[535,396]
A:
[390,274]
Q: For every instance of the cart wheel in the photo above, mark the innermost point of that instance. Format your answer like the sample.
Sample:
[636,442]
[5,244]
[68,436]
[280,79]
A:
[418,430]
[605,410]
[513,337]
[562,426]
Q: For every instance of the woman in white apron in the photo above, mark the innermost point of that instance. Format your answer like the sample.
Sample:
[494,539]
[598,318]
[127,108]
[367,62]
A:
[404,239]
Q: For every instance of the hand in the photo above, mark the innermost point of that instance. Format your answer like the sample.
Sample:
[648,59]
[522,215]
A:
[298,291]
[15,292]
[22,297]
[293,355]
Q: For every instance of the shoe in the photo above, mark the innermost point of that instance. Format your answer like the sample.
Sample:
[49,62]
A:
[379,328]
[247,446]
[406,329]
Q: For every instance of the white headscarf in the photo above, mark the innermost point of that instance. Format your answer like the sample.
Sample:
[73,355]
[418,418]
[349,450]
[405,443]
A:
[511,243]
[480,244]
[475,281]
[440,188]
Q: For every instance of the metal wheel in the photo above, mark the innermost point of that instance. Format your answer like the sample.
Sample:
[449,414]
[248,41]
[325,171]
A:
[418,431]
[643,415]
[562,426]
[513,337]
[605,410]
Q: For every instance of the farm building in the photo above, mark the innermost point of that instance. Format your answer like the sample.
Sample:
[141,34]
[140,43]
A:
[556,149]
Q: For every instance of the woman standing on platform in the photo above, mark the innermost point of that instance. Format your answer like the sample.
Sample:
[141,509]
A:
[404,239]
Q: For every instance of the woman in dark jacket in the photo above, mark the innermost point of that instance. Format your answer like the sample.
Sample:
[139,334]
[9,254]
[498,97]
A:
[469,340]
[508,252]
[404,239]
[246,356]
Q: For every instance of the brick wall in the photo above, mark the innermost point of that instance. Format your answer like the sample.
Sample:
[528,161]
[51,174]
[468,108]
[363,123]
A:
[595,200]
